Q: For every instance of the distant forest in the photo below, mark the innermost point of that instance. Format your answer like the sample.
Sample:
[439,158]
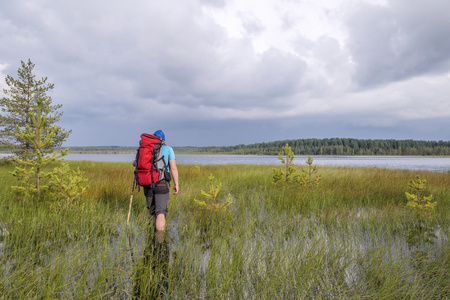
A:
[336,146]
[329,146]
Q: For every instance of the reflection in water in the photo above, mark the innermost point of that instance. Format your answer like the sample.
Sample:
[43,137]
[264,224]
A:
[151,273]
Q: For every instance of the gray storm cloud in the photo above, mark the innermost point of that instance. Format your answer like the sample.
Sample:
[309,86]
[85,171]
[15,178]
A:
[400,41]
[131,67]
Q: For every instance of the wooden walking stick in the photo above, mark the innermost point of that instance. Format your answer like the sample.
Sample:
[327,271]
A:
[131,201]
[128,219]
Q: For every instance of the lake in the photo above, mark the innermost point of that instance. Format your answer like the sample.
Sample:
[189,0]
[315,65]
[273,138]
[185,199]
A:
[429,163]
[426,163]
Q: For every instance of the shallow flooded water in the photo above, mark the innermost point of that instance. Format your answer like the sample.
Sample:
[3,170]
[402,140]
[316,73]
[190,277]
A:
[336,256]
[345,248]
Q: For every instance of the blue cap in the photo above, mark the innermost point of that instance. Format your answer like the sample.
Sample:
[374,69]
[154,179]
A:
[160,134]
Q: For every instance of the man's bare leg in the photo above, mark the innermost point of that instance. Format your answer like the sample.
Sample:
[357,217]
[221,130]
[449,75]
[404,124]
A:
[160,226]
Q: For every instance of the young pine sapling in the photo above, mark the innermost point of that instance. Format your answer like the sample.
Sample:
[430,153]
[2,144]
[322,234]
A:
[212,195]
[285,173]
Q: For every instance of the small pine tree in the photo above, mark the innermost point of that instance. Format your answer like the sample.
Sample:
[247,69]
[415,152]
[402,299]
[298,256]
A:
[21,99]
[212,195]
[285,173]
[421,204]
[423,228]
[310,177]
[66,185]
[30,172]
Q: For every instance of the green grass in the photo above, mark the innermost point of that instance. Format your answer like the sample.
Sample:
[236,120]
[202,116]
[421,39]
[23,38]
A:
[346,239]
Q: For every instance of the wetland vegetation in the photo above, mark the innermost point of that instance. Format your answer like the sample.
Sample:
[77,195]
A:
[351,237]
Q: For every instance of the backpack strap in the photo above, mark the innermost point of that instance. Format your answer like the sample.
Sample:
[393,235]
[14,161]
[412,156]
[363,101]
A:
[136,175]
[167,176]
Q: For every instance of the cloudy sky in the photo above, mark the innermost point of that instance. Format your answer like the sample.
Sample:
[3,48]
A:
[228,72]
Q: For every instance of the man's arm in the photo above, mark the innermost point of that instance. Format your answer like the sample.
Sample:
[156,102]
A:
[174,172]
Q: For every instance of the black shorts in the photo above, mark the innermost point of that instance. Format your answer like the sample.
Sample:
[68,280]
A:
[157,198]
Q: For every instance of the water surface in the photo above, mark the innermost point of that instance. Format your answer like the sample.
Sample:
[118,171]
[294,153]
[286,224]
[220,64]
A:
[425,163]
[428,163]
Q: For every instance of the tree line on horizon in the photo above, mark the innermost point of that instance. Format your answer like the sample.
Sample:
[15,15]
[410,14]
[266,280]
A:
[336,146]
[312,146]
[327,146]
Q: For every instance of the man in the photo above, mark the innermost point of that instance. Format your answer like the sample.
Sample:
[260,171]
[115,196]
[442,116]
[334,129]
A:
[157,203]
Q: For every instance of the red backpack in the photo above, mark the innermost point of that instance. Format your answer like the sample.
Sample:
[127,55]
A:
[150,165]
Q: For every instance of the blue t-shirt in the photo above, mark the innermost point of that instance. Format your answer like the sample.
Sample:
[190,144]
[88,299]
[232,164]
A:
[168,153]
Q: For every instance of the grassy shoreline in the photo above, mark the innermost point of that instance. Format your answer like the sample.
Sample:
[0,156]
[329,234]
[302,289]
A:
[347,239]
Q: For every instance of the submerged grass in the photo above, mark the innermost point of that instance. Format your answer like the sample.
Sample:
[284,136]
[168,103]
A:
[346,239]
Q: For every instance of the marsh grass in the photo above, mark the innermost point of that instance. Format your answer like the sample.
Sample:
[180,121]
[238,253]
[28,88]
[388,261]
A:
[345,239]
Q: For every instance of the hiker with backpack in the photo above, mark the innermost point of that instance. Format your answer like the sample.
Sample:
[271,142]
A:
[155,167]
